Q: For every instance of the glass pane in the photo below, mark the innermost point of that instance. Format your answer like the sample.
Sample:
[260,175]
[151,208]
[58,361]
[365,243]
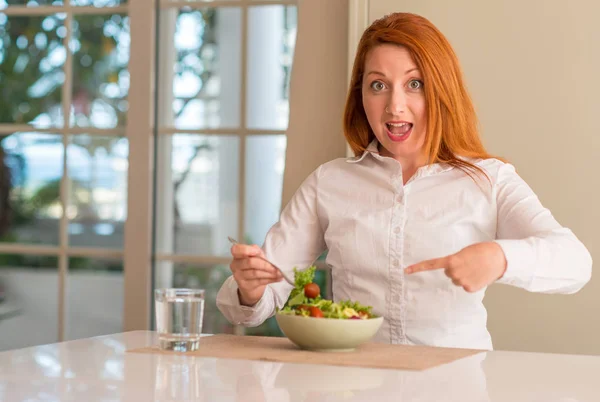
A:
[97,206]
[265,161]
[30,3]
[28,300]
[100,47]
[197,194]
[271,42]
[32,56]
[200,68]
[31,167]
[98,3]
[94,297]
[194,276]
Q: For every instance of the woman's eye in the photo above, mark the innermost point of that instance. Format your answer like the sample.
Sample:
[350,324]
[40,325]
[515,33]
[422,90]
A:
[415,84]
[377,85]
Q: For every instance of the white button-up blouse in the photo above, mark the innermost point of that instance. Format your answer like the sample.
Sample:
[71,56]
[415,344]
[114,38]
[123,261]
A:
[374,226]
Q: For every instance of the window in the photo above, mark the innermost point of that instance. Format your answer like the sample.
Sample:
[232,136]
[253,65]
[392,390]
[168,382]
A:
[223,83]
[85,141]
[63,168]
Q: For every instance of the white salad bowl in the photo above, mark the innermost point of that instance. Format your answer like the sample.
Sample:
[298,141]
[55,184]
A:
[327,334]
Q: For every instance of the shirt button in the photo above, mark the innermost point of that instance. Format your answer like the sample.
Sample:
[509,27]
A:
[397,230]
[395,263]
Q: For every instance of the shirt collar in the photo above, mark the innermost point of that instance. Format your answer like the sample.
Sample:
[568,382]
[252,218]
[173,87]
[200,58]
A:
[372,148]
[428,170]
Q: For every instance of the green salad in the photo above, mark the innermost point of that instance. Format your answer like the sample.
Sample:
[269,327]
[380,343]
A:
[305,300]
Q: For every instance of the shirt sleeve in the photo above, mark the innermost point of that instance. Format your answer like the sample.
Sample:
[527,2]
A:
[296,241]
[542,256]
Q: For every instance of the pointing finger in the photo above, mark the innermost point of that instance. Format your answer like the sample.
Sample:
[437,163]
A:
[436,263]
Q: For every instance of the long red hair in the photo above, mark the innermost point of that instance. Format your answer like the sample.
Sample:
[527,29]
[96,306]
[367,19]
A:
[452,127]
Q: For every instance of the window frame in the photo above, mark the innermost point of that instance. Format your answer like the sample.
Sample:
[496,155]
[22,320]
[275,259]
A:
[142,131]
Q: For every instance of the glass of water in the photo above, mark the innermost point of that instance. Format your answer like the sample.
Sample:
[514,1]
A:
[179,314]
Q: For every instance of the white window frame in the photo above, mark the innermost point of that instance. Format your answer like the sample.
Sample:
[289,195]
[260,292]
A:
[137,253]
[63,251]
[135,318]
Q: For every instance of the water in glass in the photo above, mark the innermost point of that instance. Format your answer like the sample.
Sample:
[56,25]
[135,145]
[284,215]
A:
[179,314]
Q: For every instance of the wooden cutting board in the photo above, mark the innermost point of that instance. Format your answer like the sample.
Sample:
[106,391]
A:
[369,355]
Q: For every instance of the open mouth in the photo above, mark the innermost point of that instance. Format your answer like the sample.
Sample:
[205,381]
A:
[399,129]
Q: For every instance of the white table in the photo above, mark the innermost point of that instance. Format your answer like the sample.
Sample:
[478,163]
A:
[98,369]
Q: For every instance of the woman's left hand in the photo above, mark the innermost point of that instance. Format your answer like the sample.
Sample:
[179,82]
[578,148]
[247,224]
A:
[473,268]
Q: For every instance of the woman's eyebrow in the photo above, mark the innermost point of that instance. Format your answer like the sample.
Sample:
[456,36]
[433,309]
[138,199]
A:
[410,70]
[376,73]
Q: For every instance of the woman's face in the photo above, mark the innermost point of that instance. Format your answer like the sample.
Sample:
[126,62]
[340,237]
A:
[394,102]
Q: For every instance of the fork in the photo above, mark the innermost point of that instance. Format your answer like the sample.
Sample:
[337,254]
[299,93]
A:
[285,276]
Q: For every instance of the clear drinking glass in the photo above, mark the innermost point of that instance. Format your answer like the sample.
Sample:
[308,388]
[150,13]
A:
[179,315]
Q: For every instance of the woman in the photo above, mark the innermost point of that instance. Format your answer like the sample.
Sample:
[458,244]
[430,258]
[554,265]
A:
[423,219]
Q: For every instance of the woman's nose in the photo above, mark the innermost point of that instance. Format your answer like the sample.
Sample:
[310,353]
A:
[397,104]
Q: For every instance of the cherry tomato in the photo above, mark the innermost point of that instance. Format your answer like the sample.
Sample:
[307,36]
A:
[316,312]
[311,290]
[303,307]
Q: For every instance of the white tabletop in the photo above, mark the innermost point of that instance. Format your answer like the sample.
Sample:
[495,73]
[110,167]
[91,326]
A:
[99,369]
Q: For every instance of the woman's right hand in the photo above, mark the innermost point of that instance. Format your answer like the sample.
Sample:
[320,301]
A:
[252,272]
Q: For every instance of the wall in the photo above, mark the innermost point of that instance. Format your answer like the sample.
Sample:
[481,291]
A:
[317,91]
[532,69]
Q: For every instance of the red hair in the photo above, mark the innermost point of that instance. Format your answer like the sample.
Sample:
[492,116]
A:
[452,127]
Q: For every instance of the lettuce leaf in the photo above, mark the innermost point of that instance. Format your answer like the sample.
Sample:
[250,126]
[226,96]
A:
[341,310]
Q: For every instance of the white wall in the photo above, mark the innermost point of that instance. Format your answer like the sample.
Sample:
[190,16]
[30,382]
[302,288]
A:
[317,91]
[532,69]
